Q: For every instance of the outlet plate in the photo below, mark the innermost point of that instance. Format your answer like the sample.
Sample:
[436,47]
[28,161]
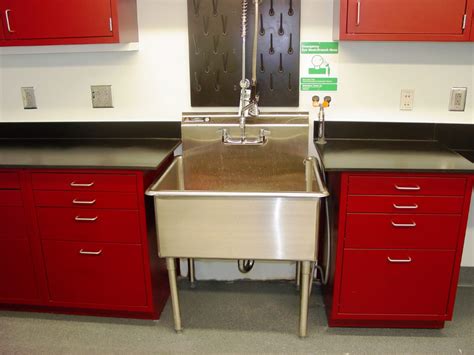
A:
[101,96]
[457,100]
[407,99]
[29,98]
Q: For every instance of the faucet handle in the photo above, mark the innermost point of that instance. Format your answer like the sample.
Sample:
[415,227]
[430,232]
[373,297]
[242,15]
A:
[315,101]
[327,101]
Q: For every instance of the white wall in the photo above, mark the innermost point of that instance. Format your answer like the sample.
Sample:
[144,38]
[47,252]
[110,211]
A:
[153,84]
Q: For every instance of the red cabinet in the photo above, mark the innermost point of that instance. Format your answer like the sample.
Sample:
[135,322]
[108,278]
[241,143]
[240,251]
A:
[397,248]
[37,22]
[94,274]
[80,241]
[403,20]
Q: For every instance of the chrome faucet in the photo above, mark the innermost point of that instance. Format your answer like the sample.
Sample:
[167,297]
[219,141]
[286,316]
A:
[321,117]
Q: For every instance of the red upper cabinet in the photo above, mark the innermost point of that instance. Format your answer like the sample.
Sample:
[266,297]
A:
[404,20]
[38,22]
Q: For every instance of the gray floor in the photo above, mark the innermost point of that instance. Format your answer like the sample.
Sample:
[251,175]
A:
[240,317]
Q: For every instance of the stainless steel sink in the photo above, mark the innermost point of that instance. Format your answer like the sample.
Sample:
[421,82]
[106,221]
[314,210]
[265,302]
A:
[226,200]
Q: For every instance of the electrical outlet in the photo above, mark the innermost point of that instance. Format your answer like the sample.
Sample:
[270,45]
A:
[407,100]
[101,96]
[29,98]
[457,101]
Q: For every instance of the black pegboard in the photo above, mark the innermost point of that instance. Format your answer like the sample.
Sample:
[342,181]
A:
[215,50]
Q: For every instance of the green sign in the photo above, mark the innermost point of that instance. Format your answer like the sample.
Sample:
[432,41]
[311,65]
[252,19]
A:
[319,84]
[319,47]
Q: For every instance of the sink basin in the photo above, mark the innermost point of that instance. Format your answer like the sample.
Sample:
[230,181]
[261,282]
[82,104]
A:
[235,194]
[240,202]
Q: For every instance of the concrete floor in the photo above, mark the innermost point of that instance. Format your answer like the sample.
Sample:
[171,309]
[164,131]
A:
[239,317]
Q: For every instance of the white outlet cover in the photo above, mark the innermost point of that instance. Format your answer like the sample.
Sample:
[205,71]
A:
[407,99]
[457,100]
[29,98]
[101,96]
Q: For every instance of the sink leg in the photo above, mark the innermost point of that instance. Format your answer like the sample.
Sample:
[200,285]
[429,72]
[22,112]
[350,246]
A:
[298,275]
[305,276]
[191,273]
[170,264]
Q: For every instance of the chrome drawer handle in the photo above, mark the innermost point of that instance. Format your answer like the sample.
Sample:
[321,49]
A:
[408,188]
[399,261]
[75,184]
[84,252]
[79,202]
[358,13]
[404,225]
[412,207]
[7,18]
[84,219]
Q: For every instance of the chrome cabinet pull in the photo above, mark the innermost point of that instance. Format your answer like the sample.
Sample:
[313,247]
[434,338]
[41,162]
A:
[358,13]
[76,184]
[404,225]
[86,219]
[400,207]
[408,188]
[7,18]
[399,261]
[84,252]
[79,202]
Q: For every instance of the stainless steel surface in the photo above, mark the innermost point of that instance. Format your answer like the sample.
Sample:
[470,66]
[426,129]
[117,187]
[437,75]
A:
[78,202]
[76,184]
[404,225]
[191,272]
[399,261]
[7,19]
[84,252]
[305,276]
[170,265]
[86,219]
[405,207]
[224,201]
[298,275]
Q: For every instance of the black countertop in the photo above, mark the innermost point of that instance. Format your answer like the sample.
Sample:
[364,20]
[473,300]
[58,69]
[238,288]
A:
[392,155]
[131,154]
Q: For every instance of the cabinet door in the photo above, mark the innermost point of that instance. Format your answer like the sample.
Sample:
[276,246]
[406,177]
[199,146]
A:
[17,278]
[39,19]
[396,282]
[405,16]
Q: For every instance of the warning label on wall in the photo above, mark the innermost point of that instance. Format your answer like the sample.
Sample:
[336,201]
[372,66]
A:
[319,66]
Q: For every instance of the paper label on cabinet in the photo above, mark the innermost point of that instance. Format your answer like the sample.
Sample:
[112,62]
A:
[319,66]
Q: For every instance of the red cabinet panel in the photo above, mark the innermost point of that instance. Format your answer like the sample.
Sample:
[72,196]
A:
[99,225]
[9,180]
[405,204]
[86,199]
[406,185]
[95,274]
[84,182]
[372,284]
[17,277]
[402,231]
[403,20]
[406,16]
[12,222]
[39,19]
[10,198]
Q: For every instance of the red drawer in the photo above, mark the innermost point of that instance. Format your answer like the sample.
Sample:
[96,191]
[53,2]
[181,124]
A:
[91,274]
[9,180]
[405,204]
[10,198]
[372,284]
[405,185]
[84,182]
[86,199]
[402,231]
[17,276]
[12,223]
[119,226]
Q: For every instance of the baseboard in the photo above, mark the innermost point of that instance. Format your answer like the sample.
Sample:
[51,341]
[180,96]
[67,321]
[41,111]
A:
[466,277]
